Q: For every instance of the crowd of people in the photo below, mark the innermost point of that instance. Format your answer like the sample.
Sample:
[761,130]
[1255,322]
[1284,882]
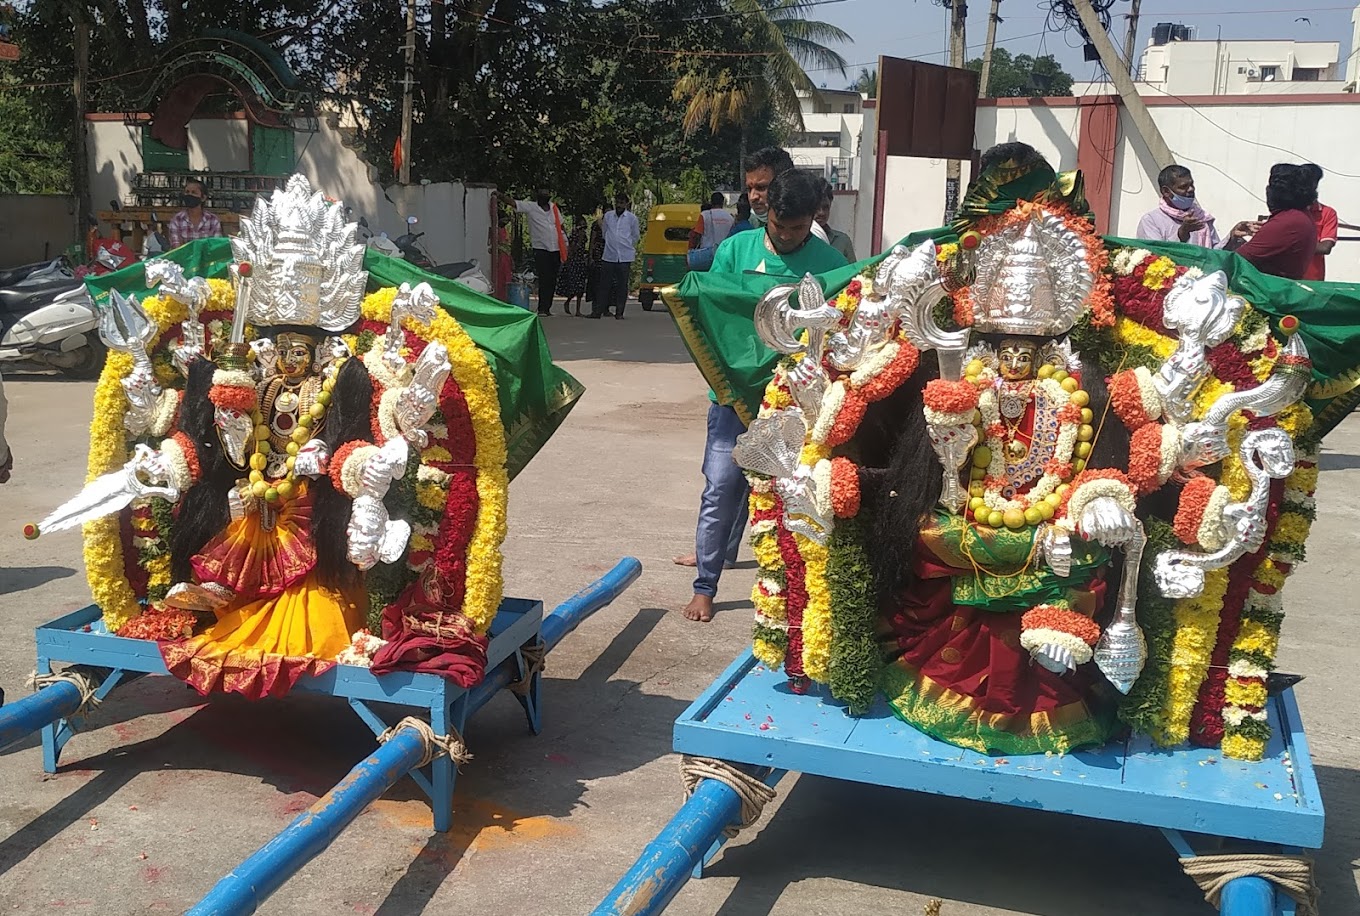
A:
[1291,241]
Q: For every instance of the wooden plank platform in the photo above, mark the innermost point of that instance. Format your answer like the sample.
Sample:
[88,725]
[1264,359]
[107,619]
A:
[749,715]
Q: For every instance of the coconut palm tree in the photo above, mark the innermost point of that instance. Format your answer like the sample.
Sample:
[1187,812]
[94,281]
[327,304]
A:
[791,44]
[866,82]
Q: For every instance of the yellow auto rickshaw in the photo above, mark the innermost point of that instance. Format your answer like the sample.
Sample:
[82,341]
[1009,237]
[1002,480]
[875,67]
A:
[664,248]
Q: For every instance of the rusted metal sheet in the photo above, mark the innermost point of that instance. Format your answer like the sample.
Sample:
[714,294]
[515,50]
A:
[926,110]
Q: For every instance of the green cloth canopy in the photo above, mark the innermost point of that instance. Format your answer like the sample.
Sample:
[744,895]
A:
[714,315]
[535,395]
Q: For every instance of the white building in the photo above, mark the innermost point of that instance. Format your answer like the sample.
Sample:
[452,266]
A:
[833,120]
[1176,63]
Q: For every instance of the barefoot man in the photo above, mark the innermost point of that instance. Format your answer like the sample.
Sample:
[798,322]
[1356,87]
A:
[785,247]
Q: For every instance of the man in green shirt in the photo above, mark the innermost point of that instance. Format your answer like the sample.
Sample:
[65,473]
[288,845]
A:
[786,249]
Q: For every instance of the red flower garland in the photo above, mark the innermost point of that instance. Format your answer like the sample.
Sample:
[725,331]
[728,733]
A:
[1145,458]
[186,445]
[1050,617]
[1140,304]
[233,397]
[795,600]
[902,367]
[1231,366]
[1126,399]
[950,397]
[844,488]
[1194,500]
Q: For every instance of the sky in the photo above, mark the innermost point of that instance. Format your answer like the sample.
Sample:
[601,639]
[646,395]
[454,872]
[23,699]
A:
[918,28]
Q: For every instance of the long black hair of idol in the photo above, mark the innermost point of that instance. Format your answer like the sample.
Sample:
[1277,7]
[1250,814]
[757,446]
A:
[901,477]
[204,512]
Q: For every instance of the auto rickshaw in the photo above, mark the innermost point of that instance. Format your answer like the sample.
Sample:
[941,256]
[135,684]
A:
[664,248]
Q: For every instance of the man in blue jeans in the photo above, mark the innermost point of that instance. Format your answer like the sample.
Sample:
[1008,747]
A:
[786,248]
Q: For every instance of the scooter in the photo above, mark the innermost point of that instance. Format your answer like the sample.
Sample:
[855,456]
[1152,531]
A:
[408,248]
[53,324]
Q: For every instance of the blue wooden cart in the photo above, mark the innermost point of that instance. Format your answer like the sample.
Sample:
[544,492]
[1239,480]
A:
[750,717]
[520,636]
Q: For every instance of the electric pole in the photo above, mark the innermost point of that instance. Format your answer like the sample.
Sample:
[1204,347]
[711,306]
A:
[1131,38]
[408,91]
[958,48]
[80,172]
[993,20]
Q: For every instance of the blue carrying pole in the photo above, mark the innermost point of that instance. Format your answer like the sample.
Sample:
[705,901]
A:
[669,860]
[1247,897]
[314,830]
[31,713]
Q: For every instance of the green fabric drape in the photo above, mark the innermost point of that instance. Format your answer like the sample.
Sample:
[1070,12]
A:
[714,313]
[535,395]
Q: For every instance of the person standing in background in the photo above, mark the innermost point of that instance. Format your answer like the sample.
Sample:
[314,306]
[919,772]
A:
[1179,217]
[595,258]
[193,222]
[834,237]
[549,243]
[743,220]
[621,234]
[1325,218]
[6,456]
[1286,243]
[572,284]
[761,168]
[714,225]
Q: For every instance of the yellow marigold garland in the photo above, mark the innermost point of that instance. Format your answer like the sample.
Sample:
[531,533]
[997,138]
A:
[817,615]
[1196,629]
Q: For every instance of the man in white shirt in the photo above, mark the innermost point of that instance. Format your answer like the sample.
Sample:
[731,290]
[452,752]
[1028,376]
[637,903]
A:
[621,234]
[549,243]
[714,225]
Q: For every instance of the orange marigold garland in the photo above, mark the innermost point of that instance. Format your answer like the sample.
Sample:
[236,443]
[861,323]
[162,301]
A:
[951,397]
[1194,500]
[1145,458]
[844,488]
[232,397]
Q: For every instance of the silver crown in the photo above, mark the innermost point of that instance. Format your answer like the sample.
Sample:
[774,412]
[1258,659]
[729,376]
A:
[306,268]
[1032,278]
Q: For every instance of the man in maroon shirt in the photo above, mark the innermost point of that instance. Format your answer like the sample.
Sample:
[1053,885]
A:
[1285,243]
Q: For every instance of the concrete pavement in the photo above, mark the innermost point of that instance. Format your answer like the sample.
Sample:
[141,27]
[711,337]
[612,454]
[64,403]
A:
[166,792]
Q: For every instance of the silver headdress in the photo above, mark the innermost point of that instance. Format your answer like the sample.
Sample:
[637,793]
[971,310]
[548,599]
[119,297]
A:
[1032,278]
[305,266]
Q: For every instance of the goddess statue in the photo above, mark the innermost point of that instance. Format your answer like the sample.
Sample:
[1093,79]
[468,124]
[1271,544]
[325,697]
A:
[950,507]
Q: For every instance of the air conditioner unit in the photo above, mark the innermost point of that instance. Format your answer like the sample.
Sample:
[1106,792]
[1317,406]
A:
[1253,73]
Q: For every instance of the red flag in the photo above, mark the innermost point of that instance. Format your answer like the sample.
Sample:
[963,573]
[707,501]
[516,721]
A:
[396,155]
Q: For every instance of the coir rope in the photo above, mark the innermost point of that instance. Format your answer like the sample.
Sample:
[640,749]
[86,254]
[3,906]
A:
[754,794]
[435,745]
[1292,874]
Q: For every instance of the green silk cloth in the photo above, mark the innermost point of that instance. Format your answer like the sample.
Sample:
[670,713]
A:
[714,313]
[535,395]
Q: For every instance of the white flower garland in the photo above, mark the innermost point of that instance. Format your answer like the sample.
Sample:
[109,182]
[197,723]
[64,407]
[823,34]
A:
[832,402]
[766,526]
[381,373]
[1242,668]
[353,467]
[1213,534]
[1170,456]
[1147,392]
[938,419]
[387,414]
[989,406]
[760,484]
[429,474]
[1092,490]
[181,477]
[870,369]
[821,488]
[233,378]
[1236,715]
[1038,637]
[166,408]
[1128,259]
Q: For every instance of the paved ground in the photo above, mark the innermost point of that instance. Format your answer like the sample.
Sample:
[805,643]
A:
[166,793]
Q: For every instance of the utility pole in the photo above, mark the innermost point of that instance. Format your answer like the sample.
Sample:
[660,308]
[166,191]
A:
[993,20]
[1131,38]
[958,25]
[408,91]
[1128,93]
[80,172]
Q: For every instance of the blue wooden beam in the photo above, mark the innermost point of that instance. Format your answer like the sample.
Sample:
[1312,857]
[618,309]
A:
[248,886]
[1247,897]
[669,860]
[311,832]
[31,713]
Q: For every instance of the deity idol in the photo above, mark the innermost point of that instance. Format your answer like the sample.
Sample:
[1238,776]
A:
[951,505]
[274,486]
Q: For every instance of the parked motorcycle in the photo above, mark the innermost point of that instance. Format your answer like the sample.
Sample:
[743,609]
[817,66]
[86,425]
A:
[50,326]
[408,248]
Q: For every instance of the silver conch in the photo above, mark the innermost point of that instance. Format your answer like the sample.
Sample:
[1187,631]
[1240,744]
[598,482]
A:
[772,446]
[125,326]
[306,267]
[1205,441]
[1203,315]
[778,322]
[1032,278]
[1267,454]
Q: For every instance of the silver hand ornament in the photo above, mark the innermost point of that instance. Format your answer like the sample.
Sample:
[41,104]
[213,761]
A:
[417,402]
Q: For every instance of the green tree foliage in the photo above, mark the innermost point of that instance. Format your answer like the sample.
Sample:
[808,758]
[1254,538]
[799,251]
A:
[32,161]
[867,82]
[1023,76]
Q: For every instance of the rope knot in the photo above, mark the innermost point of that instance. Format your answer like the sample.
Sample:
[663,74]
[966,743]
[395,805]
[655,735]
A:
[754,794]
[535,657]
[82,682]
[1291,874]
[451,744]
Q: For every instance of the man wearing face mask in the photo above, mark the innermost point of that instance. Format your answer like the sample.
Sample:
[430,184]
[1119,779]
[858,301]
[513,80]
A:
[193,222]
[549,242]
[785,248]
[1179,217]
